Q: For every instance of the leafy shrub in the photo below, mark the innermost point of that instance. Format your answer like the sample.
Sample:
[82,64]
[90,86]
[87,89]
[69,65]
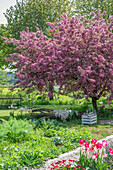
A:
[42,102]
[15,130]
[46,124]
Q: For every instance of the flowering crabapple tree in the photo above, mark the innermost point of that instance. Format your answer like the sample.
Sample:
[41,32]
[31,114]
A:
[78,57]
[34,61]
[85,52]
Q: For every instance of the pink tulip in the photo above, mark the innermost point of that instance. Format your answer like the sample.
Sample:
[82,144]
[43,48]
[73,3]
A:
[81,141]
[111,151]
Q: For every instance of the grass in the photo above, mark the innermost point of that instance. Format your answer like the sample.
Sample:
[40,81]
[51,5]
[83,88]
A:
[7,112]
[98,131]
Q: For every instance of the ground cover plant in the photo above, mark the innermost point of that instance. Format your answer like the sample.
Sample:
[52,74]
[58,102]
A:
[22,146]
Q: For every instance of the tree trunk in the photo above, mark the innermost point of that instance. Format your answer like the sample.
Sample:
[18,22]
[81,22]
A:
[51,89]
[94,102]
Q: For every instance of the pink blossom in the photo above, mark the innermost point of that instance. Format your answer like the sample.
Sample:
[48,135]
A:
[87,145]
[105,155]
[93,141]
[98,145]
[81,141]
[92,80]
[93,157]
[104,143]
[101,58]
[100,102]
[111,151]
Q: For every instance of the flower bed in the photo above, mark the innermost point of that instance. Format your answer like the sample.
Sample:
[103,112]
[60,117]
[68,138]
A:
[93,155]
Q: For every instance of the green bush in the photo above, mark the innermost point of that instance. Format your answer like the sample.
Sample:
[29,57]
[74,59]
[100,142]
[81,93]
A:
[15,130]
[46,124]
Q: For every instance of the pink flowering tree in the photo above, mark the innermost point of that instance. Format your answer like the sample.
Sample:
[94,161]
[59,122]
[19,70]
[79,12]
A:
[85,52]
[78,57]
[34,60]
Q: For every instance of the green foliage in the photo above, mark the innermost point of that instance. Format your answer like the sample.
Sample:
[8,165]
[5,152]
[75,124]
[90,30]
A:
[35,13]
[61,102]
[5,78]
[84,7]
[15,130]
[109,157]
[5,49]
[73,114]
[48,141]
[45,124]
[19,149]
[57,140]
[50,133]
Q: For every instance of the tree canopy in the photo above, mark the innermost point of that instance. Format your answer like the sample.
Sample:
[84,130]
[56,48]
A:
[84,7]
[5,49]
[5,78]
[79,56]
[35,13]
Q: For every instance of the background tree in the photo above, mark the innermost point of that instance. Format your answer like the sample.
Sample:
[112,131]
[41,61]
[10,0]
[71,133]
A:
[35,13]
[5,49]
[5,78]
[84,7]
[78,57]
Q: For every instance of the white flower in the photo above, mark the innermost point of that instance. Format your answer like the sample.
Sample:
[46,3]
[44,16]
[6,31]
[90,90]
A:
[16,149]
[63,114]
[2,165]
[5,148]
[101,102]
[11,105]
